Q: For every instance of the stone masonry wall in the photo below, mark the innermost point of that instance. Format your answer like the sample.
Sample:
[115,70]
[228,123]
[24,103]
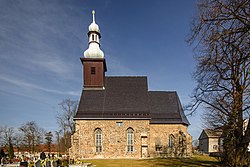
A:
[114,138]
[159,133]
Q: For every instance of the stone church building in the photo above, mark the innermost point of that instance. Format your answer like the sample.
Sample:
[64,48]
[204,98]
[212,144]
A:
[118,117]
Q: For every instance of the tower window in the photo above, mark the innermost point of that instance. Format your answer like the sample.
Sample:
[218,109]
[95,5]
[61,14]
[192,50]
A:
[93,70]
[93,37]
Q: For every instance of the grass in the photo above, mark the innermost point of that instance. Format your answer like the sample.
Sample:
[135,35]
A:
[195,161]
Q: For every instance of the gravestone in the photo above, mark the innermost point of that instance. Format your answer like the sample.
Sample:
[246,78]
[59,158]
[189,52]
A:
[54,163]
[48,164]
[24,164]
[38,163]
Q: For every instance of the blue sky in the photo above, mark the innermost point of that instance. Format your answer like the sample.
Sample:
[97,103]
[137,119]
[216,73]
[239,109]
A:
[41,42]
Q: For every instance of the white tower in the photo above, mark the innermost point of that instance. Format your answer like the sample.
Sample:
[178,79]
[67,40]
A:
[94,35]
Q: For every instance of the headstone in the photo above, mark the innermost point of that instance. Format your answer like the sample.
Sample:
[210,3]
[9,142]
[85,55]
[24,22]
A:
[24,164]
[48,164]
[38,163]
[54,163]
[42,156]
[58,162]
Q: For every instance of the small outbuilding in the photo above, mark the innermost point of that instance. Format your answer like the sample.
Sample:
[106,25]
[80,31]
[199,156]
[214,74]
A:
[210,141]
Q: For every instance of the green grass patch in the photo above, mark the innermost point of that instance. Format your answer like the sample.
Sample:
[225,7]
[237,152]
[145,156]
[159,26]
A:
[195,161]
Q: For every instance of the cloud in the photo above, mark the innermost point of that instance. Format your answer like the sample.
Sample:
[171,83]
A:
[24,84]
[38,37]
[51,63]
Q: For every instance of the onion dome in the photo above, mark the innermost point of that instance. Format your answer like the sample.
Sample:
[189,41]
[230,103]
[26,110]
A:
[94,35]
[93,26]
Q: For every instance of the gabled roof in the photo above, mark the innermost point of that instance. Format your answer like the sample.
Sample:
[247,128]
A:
[210,133]
[123,97]
[129,98]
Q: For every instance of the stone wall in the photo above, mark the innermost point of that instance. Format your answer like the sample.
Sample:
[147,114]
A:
[159,135]
[114,139]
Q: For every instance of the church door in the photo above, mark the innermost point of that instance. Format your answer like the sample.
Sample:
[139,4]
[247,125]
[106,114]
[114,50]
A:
[144,146]
[144,151]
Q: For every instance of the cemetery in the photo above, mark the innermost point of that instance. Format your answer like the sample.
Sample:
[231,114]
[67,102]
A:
[40,160]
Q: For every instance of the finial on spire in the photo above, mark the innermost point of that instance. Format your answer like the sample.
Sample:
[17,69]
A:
[93,13]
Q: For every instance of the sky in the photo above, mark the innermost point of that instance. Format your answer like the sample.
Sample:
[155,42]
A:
[41,42]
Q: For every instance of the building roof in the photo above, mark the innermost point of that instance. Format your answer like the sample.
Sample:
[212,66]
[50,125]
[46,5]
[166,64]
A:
[165,107]
[210,133]
[129,98]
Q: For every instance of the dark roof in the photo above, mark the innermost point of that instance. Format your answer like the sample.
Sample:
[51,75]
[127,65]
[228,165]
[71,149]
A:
[123,97]
[129,98]
[166,107]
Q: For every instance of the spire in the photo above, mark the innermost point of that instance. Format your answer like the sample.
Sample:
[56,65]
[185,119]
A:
[93,13]
[93,26]
[94,35]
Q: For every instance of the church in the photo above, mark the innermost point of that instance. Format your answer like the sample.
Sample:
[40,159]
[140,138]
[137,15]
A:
[118,117]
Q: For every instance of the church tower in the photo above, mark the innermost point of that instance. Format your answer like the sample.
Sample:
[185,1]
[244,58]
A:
[94,64]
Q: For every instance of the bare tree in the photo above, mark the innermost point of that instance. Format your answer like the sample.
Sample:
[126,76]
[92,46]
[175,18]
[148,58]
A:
[65,120]
[48,139]
[17,141]
[32,135]
[221,32]
[1,132]
[58,141]
[6,139]
[6,135]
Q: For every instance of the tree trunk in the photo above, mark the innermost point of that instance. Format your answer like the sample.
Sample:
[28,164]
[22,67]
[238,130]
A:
[235,149]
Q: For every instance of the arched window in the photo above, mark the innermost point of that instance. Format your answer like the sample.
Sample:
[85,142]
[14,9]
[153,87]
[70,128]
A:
[98,140]
[130,139]
[171,141]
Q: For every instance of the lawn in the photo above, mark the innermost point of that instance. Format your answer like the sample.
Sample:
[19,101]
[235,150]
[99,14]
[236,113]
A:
[197,160]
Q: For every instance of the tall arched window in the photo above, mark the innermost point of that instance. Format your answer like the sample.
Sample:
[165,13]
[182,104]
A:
[130,139]
[171,141]
[98,140]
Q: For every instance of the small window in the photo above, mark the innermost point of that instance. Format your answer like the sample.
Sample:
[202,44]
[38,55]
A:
[158,148]
[93,70]
[93,37]
[119,123]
